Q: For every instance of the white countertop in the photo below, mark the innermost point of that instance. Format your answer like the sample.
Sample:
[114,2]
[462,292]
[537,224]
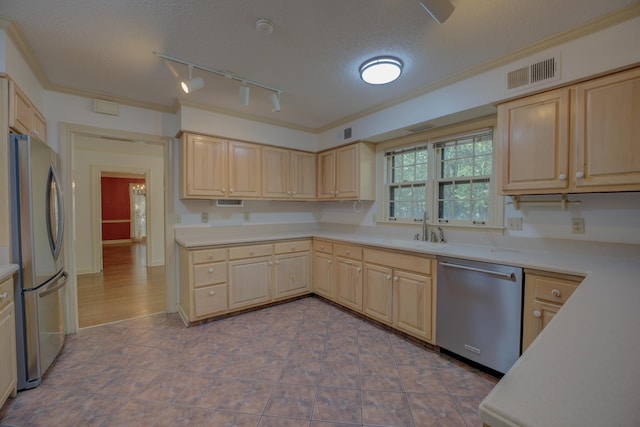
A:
[582,370]
[7,270]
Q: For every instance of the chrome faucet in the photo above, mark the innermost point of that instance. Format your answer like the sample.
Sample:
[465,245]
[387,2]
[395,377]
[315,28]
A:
[441,233]
[425,233]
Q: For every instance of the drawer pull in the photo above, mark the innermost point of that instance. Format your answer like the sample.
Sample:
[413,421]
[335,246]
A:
[556,293]
[212,293]
[388,277]
[321,246]
[329,262]
[210,256]
[293,248]
[251,252]
[536,313]
[3,295]
[211,270]
[347,252]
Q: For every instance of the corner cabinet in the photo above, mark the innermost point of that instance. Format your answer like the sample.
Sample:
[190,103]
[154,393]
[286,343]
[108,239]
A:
[544,295]
[24,117]
[8,373]
[214,168]
[347,173]
[582,138]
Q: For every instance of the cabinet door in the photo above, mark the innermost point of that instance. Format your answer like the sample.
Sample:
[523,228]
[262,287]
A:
[8,374]
[327,175]
[349,282]
[533,151]
[244,169]
[276,173]
[20,111]
[323,275]
[204,171]
[607,133]
[378,292]
[536,319]
[39,126]
[291,275]
[249,282]
[347,172]
[413,304]
[303,175]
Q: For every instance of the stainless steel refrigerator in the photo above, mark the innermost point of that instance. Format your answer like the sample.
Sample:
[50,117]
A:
[37,221]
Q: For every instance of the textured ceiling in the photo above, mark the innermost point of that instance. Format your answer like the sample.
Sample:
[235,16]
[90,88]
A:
[313,55]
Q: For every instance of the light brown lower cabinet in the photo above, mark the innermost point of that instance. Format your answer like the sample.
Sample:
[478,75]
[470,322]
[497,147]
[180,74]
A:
[400,298]
[8,367]
[544,295]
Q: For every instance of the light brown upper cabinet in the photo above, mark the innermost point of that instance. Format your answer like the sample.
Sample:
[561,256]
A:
[347,172]
[288,174]
[583,138]
[24,117]
[214,168]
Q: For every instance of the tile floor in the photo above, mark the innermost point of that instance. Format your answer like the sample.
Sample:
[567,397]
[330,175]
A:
[305,363]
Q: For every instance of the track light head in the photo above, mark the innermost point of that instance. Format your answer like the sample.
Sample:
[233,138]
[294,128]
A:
[244,93]
[275,101]
[193,84]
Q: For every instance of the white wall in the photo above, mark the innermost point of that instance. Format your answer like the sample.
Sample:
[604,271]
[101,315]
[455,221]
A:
[18,69]
[109,155]
[207,122]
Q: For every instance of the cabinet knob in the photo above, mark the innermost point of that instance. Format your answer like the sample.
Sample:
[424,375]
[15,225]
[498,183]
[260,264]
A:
[270,263]
[321,246]
[231,190]
[211,270]
[224,189]
[3,295]
[293,248]
[210,256]
[330,261]
[536,313]
[251,252]
[555,293]
[277,262]
[294,193]
[212,293]
[562,177]
[388,277]
[579,174]
[346,252]
[359,269]
[395,278]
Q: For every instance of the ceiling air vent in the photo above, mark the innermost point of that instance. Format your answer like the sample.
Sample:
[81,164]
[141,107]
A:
[421,128]
[534,74]
[229,203]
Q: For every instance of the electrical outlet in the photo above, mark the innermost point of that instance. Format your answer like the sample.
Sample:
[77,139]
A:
[577,225]
[205,217]
[514,223]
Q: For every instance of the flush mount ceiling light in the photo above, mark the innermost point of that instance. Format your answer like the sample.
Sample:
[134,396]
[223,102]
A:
[381,70]
[193,84]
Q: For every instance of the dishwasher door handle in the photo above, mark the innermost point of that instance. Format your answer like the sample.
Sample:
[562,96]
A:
[509,276]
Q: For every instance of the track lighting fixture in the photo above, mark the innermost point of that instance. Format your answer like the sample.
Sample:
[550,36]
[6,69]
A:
[196,83]
[244,93]
[193,84]
[275,101]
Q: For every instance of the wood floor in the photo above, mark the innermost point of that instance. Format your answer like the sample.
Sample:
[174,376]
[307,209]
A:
[126,288]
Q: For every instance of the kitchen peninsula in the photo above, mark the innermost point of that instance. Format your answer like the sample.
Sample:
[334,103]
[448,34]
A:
[580,370]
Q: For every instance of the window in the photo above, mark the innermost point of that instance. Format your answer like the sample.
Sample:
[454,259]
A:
[407,171]
[464,178]
[450,177]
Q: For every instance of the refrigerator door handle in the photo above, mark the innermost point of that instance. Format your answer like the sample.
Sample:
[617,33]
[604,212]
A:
[55,212]
[61,281]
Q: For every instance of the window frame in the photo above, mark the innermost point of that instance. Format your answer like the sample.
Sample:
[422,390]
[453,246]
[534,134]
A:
[430,138]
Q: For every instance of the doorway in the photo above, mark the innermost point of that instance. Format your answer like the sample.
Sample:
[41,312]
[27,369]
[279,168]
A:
[122,278]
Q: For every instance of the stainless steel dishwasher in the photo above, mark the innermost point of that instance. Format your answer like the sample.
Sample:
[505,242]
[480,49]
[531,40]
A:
[479,311]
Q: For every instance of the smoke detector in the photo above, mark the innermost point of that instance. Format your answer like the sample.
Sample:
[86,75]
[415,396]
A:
[264,26]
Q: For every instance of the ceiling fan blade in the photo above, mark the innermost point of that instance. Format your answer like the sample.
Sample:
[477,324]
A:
[439,10]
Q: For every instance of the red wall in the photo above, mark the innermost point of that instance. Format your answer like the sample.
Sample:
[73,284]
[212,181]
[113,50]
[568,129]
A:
[116,206]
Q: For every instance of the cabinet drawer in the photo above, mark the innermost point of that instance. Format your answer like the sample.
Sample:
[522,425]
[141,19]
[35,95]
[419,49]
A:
[6,293]
[399,261]
[322,246]
[348,251]
[551,289]
[210,300]
[250,251]
[209,255]
[208,274]
[289,247]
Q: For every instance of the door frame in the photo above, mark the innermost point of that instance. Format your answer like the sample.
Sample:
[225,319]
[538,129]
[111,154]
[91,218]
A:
[68,134]
[96,209]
